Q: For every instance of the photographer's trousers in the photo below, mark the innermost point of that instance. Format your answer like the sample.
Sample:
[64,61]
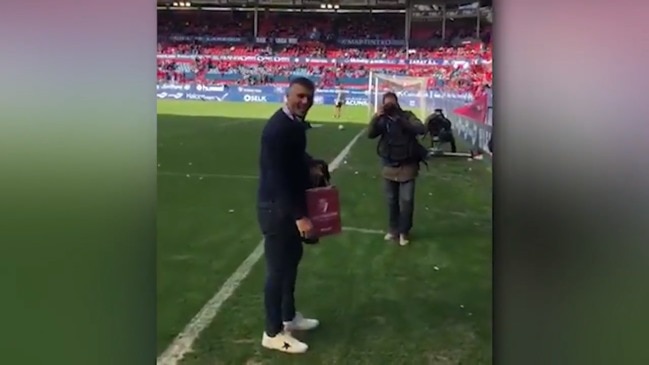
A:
[401,205]
[445,137]
[448,137]
[283,252]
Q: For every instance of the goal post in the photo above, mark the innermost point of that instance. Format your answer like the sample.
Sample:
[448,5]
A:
[412,92]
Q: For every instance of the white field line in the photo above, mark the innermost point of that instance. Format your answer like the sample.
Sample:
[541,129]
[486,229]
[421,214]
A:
[200,174]
[363,230]
[182,344]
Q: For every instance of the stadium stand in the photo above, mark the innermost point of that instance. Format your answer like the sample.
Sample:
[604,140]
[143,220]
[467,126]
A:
[192,45]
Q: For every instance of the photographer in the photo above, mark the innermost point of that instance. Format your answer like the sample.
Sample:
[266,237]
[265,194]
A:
[401,153]
[440,129]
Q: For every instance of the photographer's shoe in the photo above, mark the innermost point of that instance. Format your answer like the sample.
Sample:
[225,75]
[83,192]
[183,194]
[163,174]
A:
[403,240]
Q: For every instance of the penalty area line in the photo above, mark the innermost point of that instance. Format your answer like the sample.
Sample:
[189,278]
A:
[362,230]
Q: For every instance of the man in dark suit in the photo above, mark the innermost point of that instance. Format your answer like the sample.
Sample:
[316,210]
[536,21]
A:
[285,175]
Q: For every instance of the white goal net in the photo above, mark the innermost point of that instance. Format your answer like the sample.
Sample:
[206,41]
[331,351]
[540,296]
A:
[412,92]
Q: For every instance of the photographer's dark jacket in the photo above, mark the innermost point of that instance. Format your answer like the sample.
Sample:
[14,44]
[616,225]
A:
[437,123]
[377,127]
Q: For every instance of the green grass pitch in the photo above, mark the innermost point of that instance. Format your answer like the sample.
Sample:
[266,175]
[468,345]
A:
[379,304]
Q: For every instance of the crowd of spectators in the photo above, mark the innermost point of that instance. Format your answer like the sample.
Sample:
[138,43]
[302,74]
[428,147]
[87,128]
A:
[317,36]
[322,27]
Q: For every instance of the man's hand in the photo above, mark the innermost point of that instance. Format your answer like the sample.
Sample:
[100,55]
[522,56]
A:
[379,111]
[305,227]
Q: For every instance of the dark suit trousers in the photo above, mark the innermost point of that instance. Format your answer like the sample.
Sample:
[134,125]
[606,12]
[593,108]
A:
[283,252]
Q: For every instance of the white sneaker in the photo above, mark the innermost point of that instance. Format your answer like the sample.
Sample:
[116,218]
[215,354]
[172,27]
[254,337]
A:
[284,342]
[299,323]
[403,240]
[390,237]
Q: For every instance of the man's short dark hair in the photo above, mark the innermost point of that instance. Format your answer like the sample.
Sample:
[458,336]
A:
[390,94]
[304,82]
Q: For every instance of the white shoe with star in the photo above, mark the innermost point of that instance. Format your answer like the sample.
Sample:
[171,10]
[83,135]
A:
[284,342]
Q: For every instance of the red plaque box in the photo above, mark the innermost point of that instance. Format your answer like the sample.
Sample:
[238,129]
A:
[323,207]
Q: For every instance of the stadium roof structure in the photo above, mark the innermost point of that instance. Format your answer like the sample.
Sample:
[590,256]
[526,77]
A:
[343,3]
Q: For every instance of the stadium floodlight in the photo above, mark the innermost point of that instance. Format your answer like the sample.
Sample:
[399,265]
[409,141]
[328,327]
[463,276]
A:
[412,92]
[329,6]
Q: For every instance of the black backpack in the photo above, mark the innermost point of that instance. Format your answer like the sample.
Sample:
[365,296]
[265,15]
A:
[398,146]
